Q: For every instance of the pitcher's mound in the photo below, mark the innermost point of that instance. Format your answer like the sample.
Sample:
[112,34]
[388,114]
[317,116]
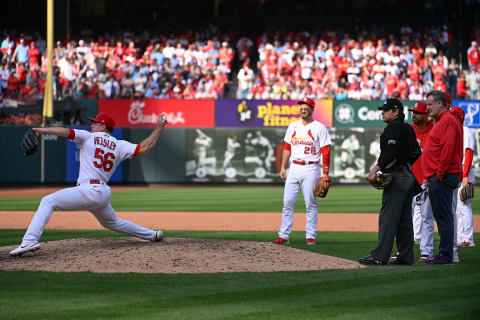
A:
[175,255]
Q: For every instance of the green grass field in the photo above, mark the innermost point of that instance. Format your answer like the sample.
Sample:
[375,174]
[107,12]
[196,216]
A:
[387,292]
[229,199]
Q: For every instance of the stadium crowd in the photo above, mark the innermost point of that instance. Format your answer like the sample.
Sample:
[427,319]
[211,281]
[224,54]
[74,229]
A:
[372,64]
[121,65]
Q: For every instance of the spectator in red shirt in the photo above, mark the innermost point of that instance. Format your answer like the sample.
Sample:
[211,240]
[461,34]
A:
[461,87]
[473,56]
[33,54]
[442,167]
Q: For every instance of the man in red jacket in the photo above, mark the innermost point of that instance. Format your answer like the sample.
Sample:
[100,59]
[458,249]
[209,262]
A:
[442,167]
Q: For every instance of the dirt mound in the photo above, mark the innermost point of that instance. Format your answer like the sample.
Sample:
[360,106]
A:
[176,255]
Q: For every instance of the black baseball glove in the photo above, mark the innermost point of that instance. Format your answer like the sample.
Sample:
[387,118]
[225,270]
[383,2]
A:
[29,143]
[382,180]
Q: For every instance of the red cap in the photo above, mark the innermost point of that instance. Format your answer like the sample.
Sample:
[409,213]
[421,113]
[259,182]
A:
[419,107]
[105,119]
[458,112]
[448,98]
[307,101]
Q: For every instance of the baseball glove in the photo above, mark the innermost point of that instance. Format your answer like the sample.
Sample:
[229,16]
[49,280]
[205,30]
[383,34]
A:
[29,143]
[321,189]
[467,192]
[382,180]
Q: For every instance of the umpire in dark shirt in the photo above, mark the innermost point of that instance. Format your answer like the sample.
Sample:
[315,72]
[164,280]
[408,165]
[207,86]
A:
[399,150]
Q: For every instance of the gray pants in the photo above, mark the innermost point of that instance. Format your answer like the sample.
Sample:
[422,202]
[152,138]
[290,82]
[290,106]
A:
[395,220]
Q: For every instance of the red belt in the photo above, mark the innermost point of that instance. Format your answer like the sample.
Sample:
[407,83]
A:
[302,163]
[94,181]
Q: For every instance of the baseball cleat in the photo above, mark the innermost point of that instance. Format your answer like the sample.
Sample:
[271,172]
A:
[425,258]
[159,237]
[464,244]
[25,247]
[311,241]
[280,241]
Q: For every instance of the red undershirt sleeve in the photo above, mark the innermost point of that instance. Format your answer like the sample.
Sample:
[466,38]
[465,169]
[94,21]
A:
[71,134]
[137,150]
[326,159]
[287,146]
[467,164]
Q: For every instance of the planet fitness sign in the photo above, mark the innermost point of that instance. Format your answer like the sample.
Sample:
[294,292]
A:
[267,113]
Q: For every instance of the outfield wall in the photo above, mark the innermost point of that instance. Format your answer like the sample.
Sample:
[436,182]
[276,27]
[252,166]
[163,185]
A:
[208,141]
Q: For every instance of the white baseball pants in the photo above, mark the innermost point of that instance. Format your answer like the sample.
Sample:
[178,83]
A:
[91,197]
[417,221]
[305,178]
[427,228]
[464,221]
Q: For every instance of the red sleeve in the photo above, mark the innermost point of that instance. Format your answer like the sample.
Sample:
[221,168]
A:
[326,158]
[467,164]
[71,134]
[287,146]
[137,150]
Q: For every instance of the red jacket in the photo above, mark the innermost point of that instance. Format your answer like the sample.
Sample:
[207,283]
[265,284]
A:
[443,151]
[422,136]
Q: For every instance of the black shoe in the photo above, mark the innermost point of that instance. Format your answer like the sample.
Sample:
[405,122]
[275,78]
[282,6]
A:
[369,260]
[397,262]
[440,259]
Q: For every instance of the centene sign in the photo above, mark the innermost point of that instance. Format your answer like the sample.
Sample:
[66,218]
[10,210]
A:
[362,113]
[145,113]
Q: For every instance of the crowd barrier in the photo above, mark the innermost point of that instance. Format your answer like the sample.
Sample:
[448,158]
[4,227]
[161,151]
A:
[216,141]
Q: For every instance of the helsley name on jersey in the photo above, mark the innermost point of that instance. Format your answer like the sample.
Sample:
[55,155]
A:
[104,142]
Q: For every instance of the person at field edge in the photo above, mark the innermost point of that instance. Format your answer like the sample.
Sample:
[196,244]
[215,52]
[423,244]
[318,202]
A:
[100,154]
[304,142]
[399,150]
[442,168]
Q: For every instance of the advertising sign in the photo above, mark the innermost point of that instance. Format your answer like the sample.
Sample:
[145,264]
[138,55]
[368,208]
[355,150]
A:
[472,112]
[267,113]
[362,113]
[234,156]
[144,113]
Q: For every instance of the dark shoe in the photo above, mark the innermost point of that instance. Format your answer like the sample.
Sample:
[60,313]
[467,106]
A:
[398,262]
[369,260]
[440,259]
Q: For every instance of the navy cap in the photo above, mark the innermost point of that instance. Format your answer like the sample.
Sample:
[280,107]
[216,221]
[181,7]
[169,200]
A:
[392,104]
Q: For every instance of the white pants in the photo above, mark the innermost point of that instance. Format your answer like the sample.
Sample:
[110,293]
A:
[91,197]
[305,178]
[427,228]
[417,221]
[464,221]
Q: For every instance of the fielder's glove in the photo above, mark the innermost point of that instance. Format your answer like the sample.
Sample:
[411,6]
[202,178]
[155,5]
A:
[29,143]
[467,192]
[382,180]
[321,189]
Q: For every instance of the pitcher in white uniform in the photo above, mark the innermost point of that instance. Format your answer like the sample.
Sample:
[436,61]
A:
[304,142]
[100,154]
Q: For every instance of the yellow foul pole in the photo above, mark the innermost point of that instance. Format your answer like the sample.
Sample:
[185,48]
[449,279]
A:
[48,98]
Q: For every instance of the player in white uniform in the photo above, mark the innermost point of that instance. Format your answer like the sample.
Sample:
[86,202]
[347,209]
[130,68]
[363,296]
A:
[100,154]
[305,141]
[464,208]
